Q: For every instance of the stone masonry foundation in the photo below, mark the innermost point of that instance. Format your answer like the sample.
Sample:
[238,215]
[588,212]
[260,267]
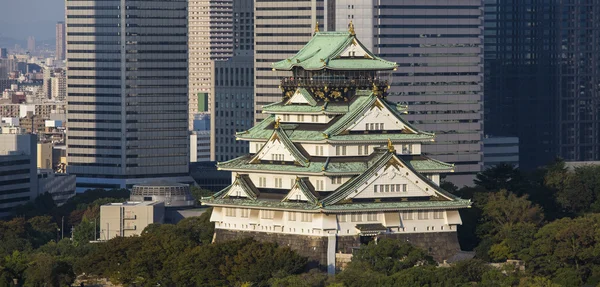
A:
[441,246]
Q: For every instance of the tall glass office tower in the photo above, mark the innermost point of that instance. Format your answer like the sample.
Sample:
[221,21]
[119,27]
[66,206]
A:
[542,77]
[438,46]
[127,85]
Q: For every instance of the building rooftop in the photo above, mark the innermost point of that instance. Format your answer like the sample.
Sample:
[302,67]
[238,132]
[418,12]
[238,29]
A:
[330,50]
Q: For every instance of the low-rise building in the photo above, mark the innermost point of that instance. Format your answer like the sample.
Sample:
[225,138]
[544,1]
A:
[129,218]
[61,186]
[497,150]
[18,180]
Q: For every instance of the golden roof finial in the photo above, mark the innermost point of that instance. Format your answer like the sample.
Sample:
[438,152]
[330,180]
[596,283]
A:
[277,123]
[351,28]
[317,27]
[390,146]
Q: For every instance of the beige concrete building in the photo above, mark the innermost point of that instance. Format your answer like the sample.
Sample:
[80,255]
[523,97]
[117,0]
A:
[129,218]
[210,39]
[44,155]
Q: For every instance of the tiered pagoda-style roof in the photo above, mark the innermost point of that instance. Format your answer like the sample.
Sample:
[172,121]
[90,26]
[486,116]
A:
[337,98]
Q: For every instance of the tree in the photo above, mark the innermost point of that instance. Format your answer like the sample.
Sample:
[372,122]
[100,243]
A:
[44,270]
[566,248]
[198,193]
[508,225]
[198,229]
[389,256]
[501,176]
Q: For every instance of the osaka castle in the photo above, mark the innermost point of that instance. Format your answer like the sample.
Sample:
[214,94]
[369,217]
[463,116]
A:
[334,165]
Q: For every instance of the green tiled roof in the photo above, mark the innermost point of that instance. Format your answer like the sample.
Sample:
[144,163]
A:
[356,108]
[352,185]
[323,50]
[347,207]
[361,164]
[264,130]
[430,164]
[281,107]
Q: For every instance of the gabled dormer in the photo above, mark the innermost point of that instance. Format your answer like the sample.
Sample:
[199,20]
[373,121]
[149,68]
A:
[242,187]
[390,178]
[279,148]
[302,97]
[302,191]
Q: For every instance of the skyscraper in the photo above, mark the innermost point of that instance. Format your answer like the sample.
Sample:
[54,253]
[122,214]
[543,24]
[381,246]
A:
[281,29]
[542,78]
[60,41]
[31,44]
[127,85]
[520,70]
[210,40]
[579,80]
[233,103]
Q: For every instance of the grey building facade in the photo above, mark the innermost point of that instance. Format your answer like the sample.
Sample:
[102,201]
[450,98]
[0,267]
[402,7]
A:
[542,77]
[281,30]
[234,87]
[18,171]
[127,92]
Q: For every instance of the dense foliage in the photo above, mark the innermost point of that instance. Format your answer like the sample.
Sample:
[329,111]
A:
[546,219]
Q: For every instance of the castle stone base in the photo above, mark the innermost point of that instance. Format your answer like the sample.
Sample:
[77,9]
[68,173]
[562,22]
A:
[440,246]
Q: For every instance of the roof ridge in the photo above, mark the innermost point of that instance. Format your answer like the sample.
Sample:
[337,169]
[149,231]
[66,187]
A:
[347,118]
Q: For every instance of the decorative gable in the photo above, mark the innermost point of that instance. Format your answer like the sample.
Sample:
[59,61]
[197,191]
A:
[279,148]
[354,50]
[302,96]
[242,187]
[302,190]
[388,177]
[379,117]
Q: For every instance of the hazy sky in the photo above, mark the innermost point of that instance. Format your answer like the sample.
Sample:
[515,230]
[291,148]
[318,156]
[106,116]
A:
[20,19]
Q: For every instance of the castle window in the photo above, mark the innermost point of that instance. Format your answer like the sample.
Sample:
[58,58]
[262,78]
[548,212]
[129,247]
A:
[340,150]
[230,212]
[422,215]
[336,180]
[407,215]
[375,188]
[278,182]
[315,119]
[277,157]
[267,214]
[341,218]
[320,185]
[307,217]
[438,214]
[300,118]
[286,118]
[245,212]
[291,216]
[262,181]
[356,217]
[319,150]
[372,216]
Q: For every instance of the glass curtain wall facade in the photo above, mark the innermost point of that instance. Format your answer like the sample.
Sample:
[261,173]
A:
[520,75]
[234,87]
[542,77]
[579,80]
[127,85]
